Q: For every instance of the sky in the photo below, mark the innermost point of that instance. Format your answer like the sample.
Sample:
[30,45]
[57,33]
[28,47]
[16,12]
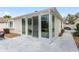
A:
[17,11]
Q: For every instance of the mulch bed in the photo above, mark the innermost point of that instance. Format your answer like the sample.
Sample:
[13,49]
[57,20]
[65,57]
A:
[76,41]
[12,35]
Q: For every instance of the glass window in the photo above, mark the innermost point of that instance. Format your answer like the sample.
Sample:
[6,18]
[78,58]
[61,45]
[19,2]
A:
[45,26]
[29,26]
[23,26]
[11,24]
[29,21]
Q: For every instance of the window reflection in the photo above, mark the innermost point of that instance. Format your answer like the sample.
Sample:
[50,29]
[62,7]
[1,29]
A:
[45,26]
[29,26]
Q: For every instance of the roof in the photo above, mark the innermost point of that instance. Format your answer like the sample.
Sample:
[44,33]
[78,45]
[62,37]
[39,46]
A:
[52,9]
[3,20]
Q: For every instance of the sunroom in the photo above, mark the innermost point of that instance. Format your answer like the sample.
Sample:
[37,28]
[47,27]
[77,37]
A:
[41,24]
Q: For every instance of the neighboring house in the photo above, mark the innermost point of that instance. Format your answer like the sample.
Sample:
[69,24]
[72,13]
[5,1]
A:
[5,23]
[43,24]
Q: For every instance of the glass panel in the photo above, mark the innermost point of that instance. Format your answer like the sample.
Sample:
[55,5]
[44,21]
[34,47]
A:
[53,26]
[11,24]
[45,26]
[35,26]
[29,26]
[23,26]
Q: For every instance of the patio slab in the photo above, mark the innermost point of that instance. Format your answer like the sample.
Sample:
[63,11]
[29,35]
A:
[65,43]
[29,44]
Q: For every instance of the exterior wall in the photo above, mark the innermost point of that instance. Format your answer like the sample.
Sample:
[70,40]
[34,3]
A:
[17,26]
[63,25]
[57,26]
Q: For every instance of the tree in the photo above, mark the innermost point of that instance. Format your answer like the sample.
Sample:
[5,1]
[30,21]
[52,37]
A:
[7,16]
[71,18]
[77,15]
[77,26]
[77,30]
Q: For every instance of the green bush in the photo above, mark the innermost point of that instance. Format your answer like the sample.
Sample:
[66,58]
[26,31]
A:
[77,31]
[75,34]
[77,26]
[6,30]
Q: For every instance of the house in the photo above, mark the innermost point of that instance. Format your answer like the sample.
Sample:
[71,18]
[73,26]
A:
[42,24]
[5,23]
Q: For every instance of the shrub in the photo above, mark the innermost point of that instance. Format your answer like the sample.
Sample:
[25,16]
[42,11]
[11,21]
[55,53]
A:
[6,30]
[77,31]
[77,26]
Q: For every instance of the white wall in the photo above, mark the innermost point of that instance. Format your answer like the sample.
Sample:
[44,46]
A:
[17,26]
[57,26]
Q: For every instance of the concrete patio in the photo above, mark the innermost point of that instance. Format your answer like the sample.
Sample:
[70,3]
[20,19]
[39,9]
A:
[28,44]
[65,43]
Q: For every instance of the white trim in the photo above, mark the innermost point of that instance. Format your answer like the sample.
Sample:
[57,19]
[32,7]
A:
[50,26]
[39,25]
[26,26]
[32,26]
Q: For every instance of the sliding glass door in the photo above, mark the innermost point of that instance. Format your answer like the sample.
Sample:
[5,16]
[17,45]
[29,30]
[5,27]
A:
[30,31]
[33,26]
[45,26]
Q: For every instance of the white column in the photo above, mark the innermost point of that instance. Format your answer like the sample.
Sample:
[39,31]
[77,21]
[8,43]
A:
[26,25]
[39,26]
[50,26]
